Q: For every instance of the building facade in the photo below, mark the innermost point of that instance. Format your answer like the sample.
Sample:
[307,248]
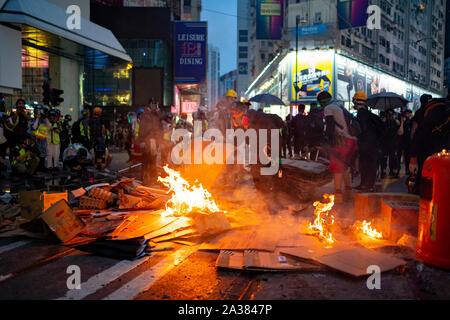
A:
[213,77]
[409,45]
[243,46]
[39,48]
[228,82]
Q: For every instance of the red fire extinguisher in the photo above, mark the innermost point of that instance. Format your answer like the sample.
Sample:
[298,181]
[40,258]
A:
[434,215]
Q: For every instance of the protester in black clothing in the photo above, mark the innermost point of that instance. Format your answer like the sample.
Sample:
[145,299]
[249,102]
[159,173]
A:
[420,113]
[391,145]
[286,136]
[315,127]
[150,137]
[77,163]
[431,136]
[19,122]
[368,144]
[405,140]
[97,130]
[65,134]
[299,125]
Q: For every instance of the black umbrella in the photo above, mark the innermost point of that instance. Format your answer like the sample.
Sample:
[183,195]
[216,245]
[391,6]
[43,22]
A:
[267,99]
[386,100]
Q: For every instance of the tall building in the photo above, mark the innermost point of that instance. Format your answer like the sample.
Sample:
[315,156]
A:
[261,51]
[144,27]
[243,52]
[447,49]
[213,76]
[409,46]
[228,82]
[39,49]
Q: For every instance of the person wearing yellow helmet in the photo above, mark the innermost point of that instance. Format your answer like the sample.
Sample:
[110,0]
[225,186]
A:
[222,119]
[360,96]
[231,93]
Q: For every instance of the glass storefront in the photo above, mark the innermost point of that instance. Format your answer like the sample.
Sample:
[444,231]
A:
[326,70]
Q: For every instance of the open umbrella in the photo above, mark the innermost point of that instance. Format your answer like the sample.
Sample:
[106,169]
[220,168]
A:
[267,99]
[386,100]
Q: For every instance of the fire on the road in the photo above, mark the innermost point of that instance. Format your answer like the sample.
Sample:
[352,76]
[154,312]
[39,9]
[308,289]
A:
[323,220]
[366,228]
[186,198]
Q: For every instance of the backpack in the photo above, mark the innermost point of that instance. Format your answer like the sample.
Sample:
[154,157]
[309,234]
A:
[353,125]
[76,134]
[379,126]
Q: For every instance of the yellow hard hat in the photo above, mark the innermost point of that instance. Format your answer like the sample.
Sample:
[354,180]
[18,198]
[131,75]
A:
[360,95]
[231,93]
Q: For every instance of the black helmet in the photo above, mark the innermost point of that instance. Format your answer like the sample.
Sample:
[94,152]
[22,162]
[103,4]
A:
[82,153]
[52,112]
[68,117]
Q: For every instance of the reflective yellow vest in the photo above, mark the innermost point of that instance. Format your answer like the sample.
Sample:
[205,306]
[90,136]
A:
[41,132]
[22,152]
[83,131]
[137,129]
[54,137]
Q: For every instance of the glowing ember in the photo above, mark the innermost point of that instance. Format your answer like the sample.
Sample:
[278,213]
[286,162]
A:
[320,224]
[365,228]
[186,198]
[443,153]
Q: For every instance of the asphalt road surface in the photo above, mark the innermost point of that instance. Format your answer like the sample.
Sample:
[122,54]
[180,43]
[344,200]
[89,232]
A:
[38,269]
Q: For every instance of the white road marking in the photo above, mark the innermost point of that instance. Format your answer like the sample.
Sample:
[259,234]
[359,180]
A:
[144,281]
[13,245]
[105,277]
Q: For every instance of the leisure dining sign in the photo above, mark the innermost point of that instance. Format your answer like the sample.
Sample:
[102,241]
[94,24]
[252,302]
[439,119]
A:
[191,39]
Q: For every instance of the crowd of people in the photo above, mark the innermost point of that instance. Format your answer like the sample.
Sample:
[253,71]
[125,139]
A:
[44,141]
[368,144]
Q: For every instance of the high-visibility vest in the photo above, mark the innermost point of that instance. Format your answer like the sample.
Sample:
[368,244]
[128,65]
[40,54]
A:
[22,152]
[137,130]
[84,131]
[54,136]
[41,132]
[167,135]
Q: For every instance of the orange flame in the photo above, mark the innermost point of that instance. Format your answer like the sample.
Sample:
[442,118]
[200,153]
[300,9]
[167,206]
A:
[365,228]
[320,225]
[443,153]
[185,198]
